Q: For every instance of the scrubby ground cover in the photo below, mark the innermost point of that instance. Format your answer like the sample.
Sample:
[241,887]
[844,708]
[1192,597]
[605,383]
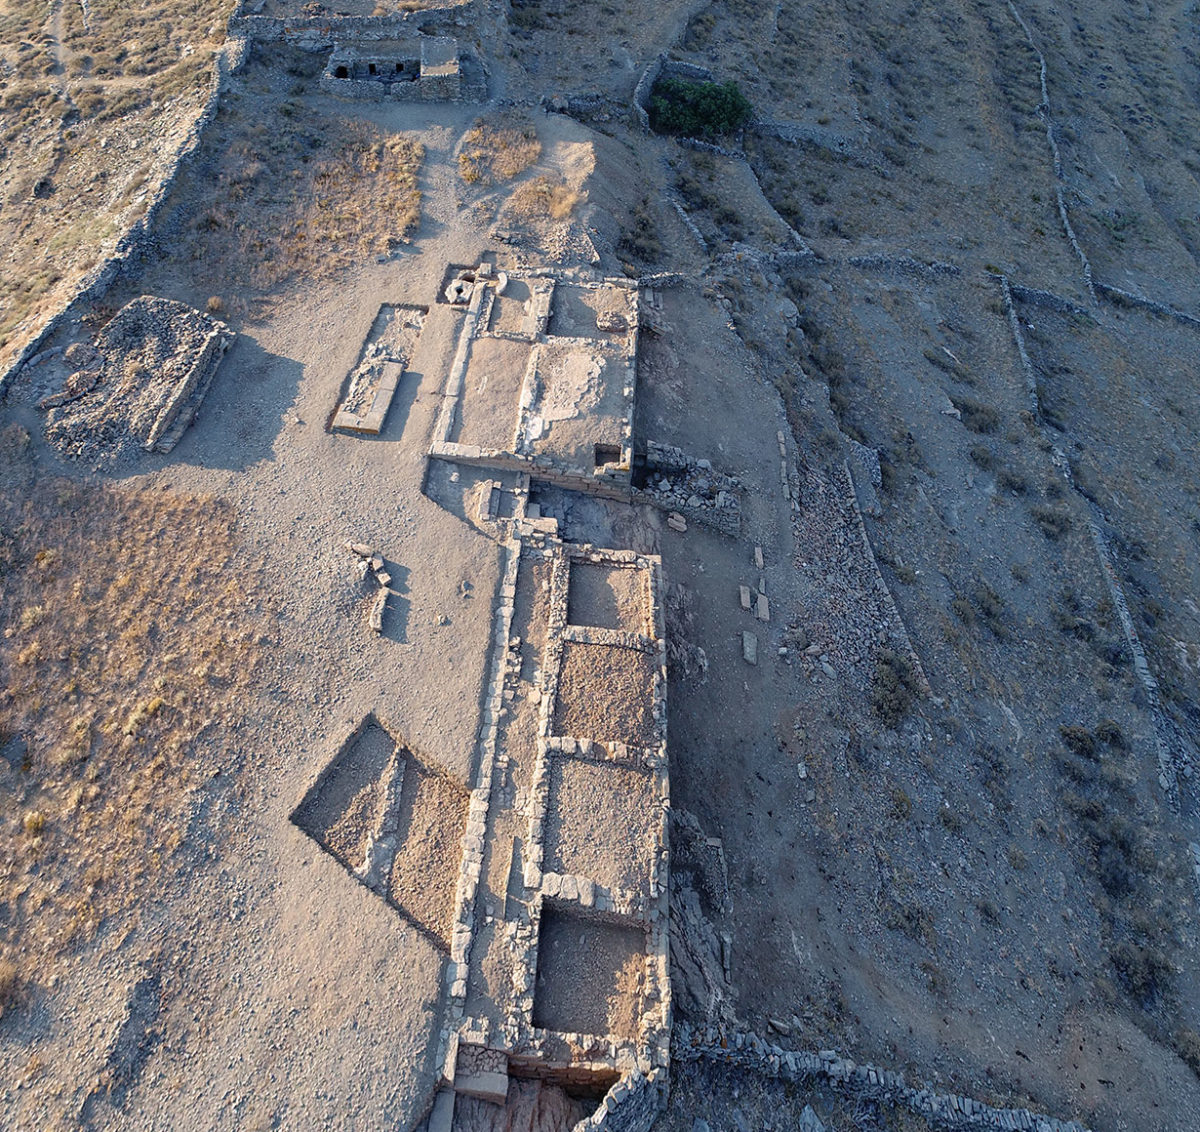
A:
[92,99]
[132,626]
[284,190]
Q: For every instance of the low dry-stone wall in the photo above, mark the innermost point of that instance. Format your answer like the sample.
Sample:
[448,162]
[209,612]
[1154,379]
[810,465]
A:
[903,265]
[228,61]
[633,1104]
[1172,747]
[754,1054]
[1043,112]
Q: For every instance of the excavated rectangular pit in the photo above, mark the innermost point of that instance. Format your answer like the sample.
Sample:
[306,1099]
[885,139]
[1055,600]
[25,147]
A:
[606,692]
[607,597]
[487,410]
[394,823]
[579,310]
[510,310]
[590,972]
[601,823]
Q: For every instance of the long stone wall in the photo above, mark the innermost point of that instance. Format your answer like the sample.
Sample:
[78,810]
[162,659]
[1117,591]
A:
[748,1051]
[1043,112]
[227,62]
[1171,748]
[318,32]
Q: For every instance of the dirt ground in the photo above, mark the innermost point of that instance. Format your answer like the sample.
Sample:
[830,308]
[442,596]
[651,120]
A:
[986,887]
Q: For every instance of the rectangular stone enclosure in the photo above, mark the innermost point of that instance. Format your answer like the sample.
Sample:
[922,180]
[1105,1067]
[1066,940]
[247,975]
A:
[590,974]
[394,823]
[606,596]
[601,823]
[606,692]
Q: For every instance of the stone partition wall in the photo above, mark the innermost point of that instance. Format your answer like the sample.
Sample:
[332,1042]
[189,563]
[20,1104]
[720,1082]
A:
[633,1104]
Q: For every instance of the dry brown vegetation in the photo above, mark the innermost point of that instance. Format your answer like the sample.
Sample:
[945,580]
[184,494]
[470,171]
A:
[306,194]
[498,148]
[77,103]
[130,632]
[542,197]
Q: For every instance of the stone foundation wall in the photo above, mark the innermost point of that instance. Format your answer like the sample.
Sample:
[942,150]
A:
[633,1104]
[206,362]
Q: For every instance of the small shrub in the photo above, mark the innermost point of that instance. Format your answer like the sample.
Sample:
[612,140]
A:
[914,921]
[697,109]
[951,820]
[10,985]
[1017,859]
[893,687]
[1187,1044]
[982,455]
[33,823]
[977,416]
[215,304]
[991,606]
[1142,970]
[901,808]
[1079,740]
[1009,480]
[963,610]
[1111,735]
[1053,523]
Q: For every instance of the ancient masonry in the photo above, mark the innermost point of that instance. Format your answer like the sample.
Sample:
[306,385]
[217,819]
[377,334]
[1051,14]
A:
[139,384]
[544,384]
[554,915]
[562,898]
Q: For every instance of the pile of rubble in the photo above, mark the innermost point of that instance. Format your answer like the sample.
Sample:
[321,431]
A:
[139,384]
[677,482]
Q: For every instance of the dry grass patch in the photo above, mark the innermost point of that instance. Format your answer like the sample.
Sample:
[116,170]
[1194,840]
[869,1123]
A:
[131,629]
[303,195]
[541,199]
[132,72]
[497,148]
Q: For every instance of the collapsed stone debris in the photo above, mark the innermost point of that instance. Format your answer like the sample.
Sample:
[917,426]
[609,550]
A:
[139,384]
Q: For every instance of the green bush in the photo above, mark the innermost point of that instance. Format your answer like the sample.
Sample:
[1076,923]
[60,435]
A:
[697,110]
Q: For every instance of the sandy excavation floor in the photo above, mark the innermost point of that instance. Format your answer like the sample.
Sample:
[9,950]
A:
[986,886]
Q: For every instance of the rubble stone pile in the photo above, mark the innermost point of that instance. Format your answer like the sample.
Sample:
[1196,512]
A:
[139,385]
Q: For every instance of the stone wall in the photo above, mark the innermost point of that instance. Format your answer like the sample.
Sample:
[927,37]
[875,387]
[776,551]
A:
[633,1104]
[943,1110]
[228,61]
[1171,747]
[320,32]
